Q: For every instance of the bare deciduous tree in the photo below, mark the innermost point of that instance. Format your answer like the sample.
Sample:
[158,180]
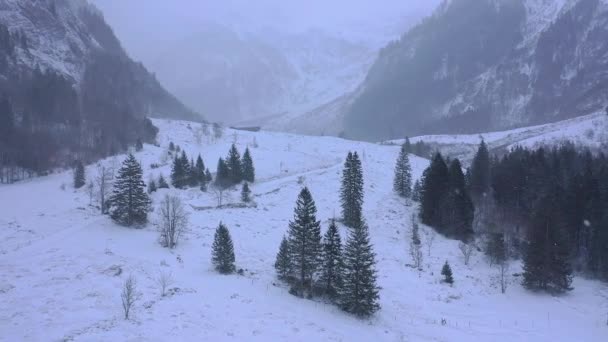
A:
[416,254]
[91,191]
[129,295]
[219,190]
[430,238]
[467,250]
[416,244]
[164,280]
[503,271]
[104,185]
[173,220]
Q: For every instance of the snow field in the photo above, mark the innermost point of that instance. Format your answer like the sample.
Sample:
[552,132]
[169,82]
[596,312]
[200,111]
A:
[62,265]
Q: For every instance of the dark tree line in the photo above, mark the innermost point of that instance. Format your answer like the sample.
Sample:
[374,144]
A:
[556,200]
[445,201]
[233,169]
[188,173]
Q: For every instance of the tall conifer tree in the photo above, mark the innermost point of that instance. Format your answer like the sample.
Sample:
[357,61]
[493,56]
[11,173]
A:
[248,168]
[304,243]
[359,293]
[129,203]
[351,194]
[223,251]
[402,183]
[331,269]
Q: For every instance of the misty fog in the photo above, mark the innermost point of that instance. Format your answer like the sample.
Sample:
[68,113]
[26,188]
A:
[237,60]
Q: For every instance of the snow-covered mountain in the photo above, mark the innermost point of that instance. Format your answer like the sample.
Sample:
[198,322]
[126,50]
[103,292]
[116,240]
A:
[484,65]
[63,264]
[67,87]
[68,38]
[265,62]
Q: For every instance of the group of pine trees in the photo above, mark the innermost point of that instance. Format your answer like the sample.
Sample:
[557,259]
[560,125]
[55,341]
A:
[558,198]
[445,201]
[188,173]
[233,169]
[315,265]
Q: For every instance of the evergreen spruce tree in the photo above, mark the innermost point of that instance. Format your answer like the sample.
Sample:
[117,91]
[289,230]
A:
[446,272]
[223,251]
[208,176]
[331,268]
[200,171]
[496,251]
[246,193]
[139,145]
[178,173]
[79,176]
[434,187]
[402,183]
[416,192]
[304,243]
[187,172]
[222,177]
[171,146]
[193,177]
[351,194]
[546,261]
[162,183]
[235,167]
[283,264]
[7,121]
[407,145]
[151,186]
[129,203]
[248,168]
[359,292]
[480,172]
[457,221]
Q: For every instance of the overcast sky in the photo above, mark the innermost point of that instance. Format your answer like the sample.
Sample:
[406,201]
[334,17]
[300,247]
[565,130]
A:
[135,19]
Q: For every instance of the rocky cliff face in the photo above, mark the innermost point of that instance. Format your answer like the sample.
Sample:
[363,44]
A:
[479,65]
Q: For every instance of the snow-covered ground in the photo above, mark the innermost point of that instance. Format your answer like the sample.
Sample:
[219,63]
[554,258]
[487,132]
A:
[588,131]
[60,262]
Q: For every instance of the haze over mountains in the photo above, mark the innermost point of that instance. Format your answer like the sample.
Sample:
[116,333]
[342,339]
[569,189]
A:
[264,62]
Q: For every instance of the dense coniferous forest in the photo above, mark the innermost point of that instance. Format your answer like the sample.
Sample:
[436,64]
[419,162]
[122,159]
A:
[546,206]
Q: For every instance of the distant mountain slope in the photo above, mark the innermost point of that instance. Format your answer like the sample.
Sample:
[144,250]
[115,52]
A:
[479,65]
[590,131]
[67,86]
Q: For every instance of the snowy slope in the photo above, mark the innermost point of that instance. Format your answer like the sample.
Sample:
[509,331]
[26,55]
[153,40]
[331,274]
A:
[59,260]
[586,131]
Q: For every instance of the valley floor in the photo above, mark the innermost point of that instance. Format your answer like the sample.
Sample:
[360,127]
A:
[62,264]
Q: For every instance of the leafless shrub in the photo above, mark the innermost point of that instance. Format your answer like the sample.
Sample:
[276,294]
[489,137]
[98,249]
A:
[164,280]
[430,238]
[467,250]
[503,273]
[104,185]
[129,295]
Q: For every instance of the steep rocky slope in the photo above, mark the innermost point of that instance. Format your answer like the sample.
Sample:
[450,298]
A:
[489,64]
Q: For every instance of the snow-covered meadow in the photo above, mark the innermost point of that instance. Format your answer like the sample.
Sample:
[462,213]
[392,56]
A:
[62,264]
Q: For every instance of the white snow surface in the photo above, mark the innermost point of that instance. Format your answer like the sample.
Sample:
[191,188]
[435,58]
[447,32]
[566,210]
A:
[585,131]
[59,256]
